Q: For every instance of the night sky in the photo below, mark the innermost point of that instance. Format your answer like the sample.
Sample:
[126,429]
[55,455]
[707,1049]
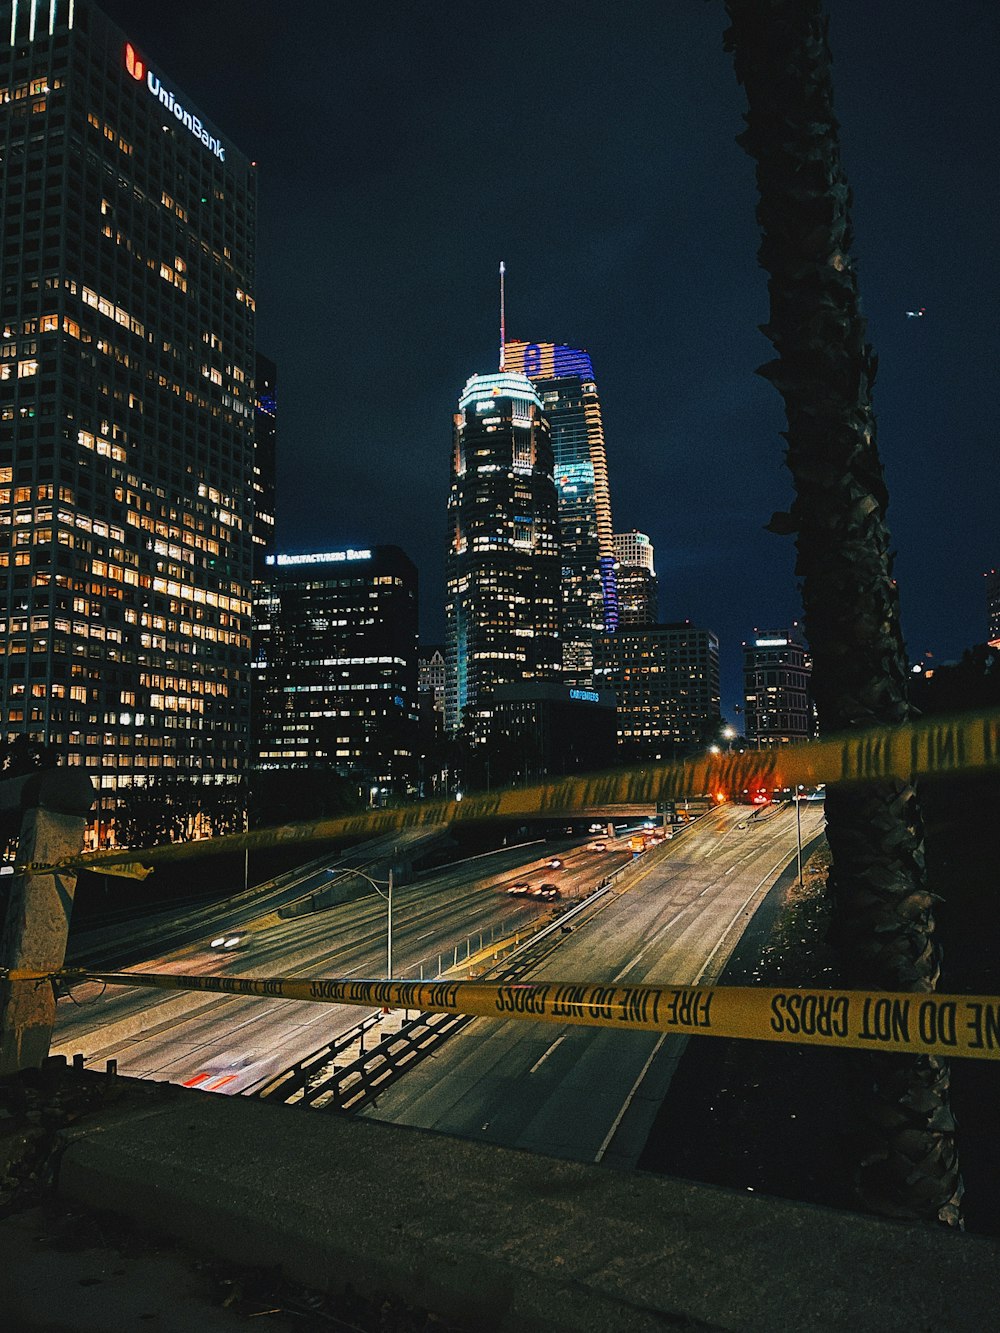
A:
[403,149]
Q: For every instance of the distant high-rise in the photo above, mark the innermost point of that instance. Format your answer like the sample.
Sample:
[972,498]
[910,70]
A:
[335,664]
[503,548]
[265,462]
[993,608]
[666,678]
[776,673]
[564,379]
[431,677]
[126,408]
[638,587]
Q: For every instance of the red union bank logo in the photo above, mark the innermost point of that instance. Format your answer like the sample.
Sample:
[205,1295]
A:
[133,64]
[139,71]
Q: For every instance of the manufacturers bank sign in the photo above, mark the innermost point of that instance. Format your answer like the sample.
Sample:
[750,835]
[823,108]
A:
[139,71]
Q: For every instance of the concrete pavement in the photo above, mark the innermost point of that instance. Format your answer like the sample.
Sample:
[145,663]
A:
[495,1239]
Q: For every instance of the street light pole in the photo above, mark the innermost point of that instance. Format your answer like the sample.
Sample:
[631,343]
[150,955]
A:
[388,947]
[360,874]
[798,833]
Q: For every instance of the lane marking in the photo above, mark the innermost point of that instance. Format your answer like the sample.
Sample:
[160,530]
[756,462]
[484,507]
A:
[541,1059]
[782,863]
[606,1144]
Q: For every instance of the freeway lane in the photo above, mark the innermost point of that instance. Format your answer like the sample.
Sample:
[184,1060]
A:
[244,1040]
[129,941]
[590,1094]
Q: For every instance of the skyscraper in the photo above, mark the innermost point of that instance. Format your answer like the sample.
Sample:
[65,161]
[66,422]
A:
[638,587]
[503,562]
[776,674]
[564,379]
[335,665]
[666,678]
[126,407]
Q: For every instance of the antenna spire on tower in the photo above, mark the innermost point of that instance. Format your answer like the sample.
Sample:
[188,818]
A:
[503,321]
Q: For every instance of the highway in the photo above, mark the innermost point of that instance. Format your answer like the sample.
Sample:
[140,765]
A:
[591,1094]
[231,1044]
[128,940]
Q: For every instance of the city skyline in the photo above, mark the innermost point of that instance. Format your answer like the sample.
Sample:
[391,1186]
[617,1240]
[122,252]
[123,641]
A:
[640,247]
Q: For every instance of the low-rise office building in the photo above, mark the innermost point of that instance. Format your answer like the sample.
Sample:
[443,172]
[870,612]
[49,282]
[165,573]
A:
[543,729]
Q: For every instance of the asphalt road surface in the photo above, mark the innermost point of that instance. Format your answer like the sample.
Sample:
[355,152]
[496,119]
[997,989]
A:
[591,1094]
[232,1044]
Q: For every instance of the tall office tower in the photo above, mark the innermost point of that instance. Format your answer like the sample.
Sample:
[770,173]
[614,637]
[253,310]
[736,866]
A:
[776,673]
[993,608]
[638,587]
[126,408]
[335,665]
[564,379]
[503,548]
[265,462]
[666,678]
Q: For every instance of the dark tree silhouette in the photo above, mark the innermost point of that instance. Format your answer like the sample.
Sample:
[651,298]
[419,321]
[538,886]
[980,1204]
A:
[883,918]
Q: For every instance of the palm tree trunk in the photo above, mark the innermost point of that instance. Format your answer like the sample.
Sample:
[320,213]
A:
[883,912]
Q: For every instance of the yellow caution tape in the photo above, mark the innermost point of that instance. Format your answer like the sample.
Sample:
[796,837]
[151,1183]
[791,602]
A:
[934,746]
[127,869]
[921,1024]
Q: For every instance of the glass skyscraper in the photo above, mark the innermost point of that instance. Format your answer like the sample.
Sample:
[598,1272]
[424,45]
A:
[564,380]
[503,548]
[126,408]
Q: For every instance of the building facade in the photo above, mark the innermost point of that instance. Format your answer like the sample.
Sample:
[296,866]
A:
[502,564]
[431,678]
[564,379]
[776,674]
[265,462]
[542,729]
[666,678]
[126,409]
[638,587]
[993,608]
[335,665]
